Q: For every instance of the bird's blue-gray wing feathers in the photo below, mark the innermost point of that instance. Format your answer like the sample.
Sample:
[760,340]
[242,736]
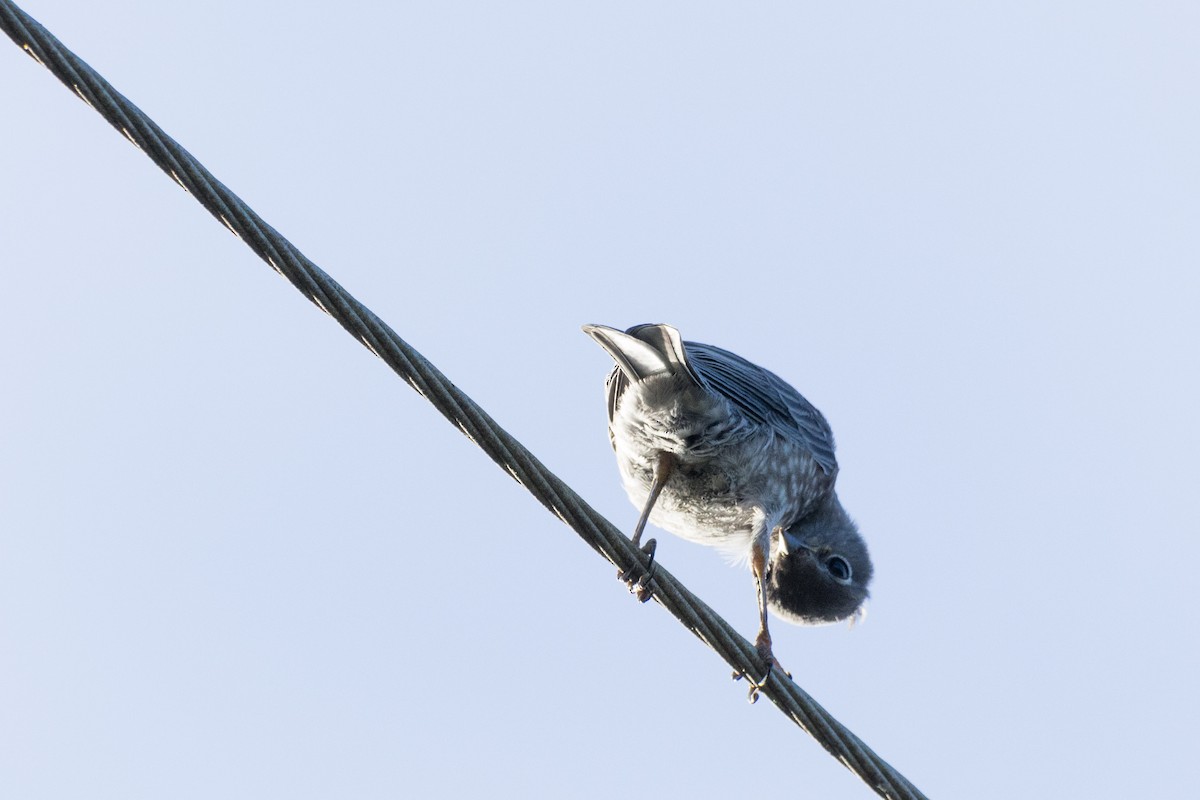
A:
[764,397]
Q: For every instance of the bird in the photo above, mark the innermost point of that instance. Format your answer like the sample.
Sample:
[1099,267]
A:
[722,452]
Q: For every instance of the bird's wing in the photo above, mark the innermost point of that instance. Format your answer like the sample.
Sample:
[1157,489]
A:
[614,387]
[764,397]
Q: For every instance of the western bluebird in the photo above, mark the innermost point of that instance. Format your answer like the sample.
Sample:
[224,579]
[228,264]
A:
[724,453]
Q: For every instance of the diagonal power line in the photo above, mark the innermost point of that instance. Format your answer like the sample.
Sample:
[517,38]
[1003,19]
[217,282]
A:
[506,451]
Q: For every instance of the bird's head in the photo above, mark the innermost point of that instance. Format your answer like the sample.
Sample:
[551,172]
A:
[820,568]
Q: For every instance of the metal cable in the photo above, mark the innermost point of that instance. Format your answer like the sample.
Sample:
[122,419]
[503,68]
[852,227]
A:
[506,451]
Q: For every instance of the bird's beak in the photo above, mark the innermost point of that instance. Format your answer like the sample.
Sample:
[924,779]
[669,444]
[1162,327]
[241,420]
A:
[788,543]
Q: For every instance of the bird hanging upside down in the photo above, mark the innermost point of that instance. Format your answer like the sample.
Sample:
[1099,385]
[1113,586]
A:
[722,452]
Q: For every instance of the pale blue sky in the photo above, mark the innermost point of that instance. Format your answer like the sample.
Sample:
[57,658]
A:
[240,559]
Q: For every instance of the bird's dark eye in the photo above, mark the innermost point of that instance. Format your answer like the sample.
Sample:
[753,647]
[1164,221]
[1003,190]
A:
[839,568]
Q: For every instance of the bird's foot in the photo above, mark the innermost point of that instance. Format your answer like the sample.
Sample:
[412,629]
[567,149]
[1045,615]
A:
[756,686]
[638,578]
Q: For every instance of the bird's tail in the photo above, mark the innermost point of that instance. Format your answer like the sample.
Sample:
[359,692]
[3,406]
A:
[644,350]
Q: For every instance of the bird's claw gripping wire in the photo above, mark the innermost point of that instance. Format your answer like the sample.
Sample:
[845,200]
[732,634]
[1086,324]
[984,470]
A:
[638,578]
[756,686]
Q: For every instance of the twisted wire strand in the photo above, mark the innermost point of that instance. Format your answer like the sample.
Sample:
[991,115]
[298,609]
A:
[459,409]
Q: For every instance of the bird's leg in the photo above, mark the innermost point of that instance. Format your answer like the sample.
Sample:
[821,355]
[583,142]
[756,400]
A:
[663,466]
[759,560]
